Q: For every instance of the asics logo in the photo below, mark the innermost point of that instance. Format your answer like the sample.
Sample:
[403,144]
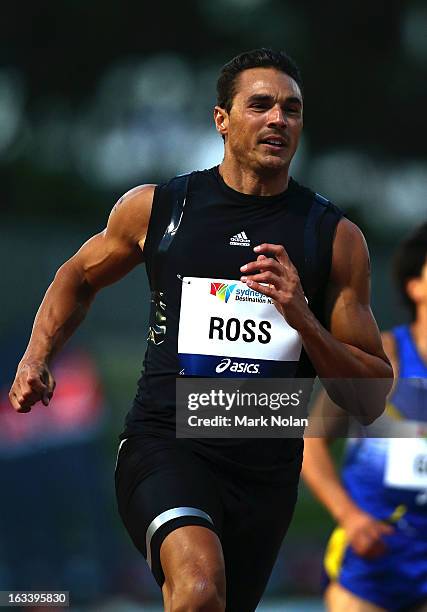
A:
[236,366]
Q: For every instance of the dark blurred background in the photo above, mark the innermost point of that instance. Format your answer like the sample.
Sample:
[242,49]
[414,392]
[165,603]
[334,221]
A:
[96,97]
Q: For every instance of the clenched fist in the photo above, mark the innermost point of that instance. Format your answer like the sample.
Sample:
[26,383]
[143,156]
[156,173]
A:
[33,383]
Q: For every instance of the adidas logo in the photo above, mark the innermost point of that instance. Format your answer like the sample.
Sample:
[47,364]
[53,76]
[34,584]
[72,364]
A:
[240,240]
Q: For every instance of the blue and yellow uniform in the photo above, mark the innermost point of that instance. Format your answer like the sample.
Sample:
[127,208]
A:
[387,477]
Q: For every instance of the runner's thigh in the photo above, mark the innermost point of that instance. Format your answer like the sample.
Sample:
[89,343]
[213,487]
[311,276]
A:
[160,487]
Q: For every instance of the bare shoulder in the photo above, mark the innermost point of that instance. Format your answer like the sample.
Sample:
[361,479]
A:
[350,255]
[130,215]
[349,241]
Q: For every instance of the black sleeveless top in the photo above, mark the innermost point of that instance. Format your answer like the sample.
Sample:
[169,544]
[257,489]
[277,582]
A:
[217,231]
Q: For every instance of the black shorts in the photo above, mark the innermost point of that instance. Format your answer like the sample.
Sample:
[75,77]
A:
[163,484]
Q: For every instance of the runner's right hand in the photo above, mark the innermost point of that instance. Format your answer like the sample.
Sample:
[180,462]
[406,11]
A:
[366,534]
[33,383]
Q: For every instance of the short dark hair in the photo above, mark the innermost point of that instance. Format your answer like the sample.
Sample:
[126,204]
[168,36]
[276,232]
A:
[257,58]
[409,260]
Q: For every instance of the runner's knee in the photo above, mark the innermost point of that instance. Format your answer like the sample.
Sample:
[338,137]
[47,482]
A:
[198,592]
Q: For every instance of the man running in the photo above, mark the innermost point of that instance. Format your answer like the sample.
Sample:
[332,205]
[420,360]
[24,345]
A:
[209,515]
[376,559]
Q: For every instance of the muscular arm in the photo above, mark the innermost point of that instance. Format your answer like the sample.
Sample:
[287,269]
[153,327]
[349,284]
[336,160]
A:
[102,260]
[352,348]
[349,356]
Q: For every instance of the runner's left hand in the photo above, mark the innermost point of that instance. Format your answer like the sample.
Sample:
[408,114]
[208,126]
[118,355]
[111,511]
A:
[283,283]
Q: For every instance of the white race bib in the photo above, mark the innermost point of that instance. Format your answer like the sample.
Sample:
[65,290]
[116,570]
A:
[406,463]
[229,329]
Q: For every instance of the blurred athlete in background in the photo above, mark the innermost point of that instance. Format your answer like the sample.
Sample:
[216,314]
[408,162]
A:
[376,559]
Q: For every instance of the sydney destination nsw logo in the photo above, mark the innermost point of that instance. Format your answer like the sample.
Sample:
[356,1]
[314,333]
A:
[224,291]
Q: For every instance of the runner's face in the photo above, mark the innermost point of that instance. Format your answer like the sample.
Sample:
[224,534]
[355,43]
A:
[265,120]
